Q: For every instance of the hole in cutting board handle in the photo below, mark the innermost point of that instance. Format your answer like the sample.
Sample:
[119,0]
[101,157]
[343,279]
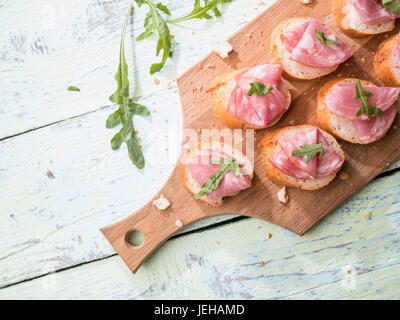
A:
[134,238]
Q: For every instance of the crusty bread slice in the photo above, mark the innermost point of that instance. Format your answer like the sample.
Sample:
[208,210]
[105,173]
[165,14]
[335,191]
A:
[349,22]
[386,62]
[340,127]
[292,69]
[269,145]
[191,184]
[221,90]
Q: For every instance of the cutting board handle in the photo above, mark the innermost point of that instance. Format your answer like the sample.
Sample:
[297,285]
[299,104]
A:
[155,227]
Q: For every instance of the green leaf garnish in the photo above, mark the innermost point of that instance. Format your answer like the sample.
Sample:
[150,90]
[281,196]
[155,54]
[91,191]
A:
[310,150]
[321,37]
[200,12]
[73,88]
[391,6]
[366,108]
[212,183]
[127,108]
[259,89]
[154,22]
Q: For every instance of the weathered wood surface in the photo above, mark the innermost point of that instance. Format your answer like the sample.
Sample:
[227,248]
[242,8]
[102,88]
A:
[346,257]
[49,224]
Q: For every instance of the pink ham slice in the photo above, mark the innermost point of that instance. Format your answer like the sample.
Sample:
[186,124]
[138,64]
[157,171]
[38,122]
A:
[372,12]
[255,110]
[201,170]
[340,99]
[296,167]
[330,162]
[306,138]
[307,49]
[280,161]
[371,130]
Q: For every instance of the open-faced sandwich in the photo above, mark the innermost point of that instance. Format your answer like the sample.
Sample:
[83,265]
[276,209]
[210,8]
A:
[360,18]
[303,157]
[387,61]
[307,49]
[355,110]
[250,98]
[215,171]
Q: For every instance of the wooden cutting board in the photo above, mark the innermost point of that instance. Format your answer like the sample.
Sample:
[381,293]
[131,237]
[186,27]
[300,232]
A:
[305,208]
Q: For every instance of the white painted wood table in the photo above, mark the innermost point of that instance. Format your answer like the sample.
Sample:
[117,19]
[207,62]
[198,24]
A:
[60,181]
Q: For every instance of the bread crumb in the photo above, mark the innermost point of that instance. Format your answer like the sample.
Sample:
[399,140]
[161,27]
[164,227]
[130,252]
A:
[282,195]
[269,236]
[344,176]
[366,215]
[223,49]
[179,223]
[156,81]
[262,263]
[161,203]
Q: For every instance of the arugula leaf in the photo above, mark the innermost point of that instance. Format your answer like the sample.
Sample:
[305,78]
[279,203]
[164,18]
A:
[73,88]
[259,89]
[391,6]
[200,12]
[310,150]
[212,183]
[321,37]
[155,23]
[127,108]
[366,108]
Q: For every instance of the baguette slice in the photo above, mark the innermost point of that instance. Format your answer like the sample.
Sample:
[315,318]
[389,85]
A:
[292,69]
[340,127]
[386,62]
[349,21]
[221,90]
[269,146]
[191,184]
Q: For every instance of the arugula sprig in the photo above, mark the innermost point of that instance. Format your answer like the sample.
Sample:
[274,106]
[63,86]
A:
[366,108]
[321,37]
[127,108]
[259,89]
[310,151]
[212,183]
[201,12]
[155,22]
[391,6]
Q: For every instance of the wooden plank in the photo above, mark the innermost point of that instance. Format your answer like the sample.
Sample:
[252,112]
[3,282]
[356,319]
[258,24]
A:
[63,43]
[76,152]
[225,263]
[250,44]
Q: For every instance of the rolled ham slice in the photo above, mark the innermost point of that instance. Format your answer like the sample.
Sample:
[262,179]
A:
[296,167]
[372,11]
[201,170]
[255,110]
[370,130]
[306,48]
[340,101]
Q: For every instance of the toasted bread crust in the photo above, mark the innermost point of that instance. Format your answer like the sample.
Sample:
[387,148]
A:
[382,62]
[184,173]
[324,114]
[219,91]
[277,58]
[268,147]
[340,16]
